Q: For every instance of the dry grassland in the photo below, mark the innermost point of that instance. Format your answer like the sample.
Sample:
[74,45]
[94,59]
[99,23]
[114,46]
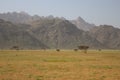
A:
[63,65]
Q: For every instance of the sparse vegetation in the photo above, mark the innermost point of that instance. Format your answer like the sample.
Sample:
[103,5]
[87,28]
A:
[75,49]
[68,65]
[83,48]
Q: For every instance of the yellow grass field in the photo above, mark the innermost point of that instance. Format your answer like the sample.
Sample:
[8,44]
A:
[63,65]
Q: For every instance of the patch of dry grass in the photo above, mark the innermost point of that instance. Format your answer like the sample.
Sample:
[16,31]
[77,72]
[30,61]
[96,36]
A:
[63,65]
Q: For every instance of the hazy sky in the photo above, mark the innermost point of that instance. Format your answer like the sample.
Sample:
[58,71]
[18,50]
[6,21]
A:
[93,11]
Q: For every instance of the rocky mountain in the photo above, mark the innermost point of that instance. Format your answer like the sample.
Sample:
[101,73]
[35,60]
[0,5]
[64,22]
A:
[82,24]
[16,35]
[36,32]
[59,33]
[15,17]
[23,17]
[107,35]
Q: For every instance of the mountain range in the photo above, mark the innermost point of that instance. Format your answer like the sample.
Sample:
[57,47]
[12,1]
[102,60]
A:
[39,32]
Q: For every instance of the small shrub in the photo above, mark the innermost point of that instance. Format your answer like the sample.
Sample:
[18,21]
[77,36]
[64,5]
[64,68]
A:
[58,50]
[99,49]
[75,49]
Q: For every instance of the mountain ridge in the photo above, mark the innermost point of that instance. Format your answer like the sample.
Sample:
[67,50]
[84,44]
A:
[53,32]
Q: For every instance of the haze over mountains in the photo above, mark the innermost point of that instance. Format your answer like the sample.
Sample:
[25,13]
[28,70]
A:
[38,32]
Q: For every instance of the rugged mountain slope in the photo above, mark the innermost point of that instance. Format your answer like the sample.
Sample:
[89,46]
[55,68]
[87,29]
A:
[107,35]
[15,17]
[13,35]
[21,17]
[36,32]
[82,24]
[59,33]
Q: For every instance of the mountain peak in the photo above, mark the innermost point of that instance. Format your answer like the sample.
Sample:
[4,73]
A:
[82,24]
[50,17]
[23,12]
[80,19]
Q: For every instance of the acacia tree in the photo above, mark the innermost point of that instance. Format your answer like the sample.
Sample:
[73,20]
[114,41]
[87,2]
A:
[58,50]
[15,47]
[84,48]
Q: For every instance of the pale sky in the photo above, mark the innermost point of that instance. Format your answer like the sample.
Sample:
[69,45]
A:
[92,11]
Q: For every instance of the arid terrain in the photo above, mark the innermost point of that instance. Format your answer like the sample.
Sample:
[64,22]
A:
[63,65]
